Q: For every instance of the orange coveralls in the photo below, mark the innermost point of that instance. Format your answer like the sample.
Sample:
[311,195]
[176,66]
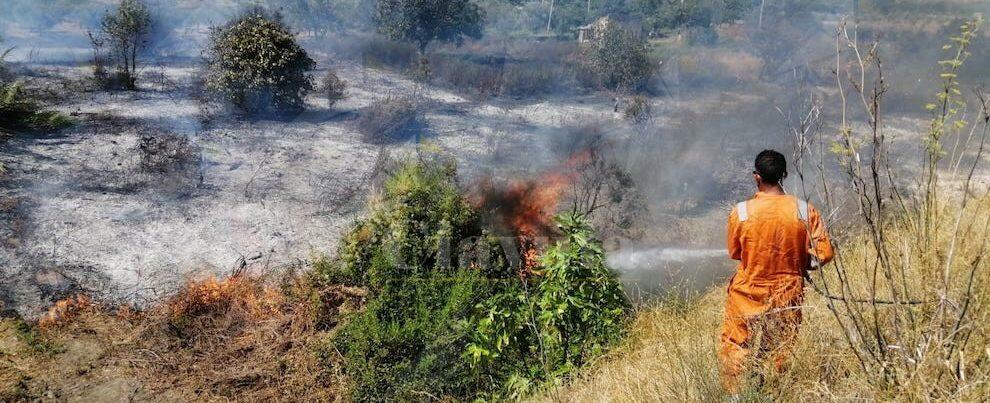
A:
[766,292]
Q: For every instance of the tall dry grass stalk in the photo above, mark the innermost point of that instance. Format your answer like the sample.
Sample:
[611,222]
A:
[905,294]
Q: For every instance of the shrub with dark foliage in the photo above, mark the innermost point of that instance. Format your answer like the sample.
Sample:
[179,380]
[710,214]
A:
[425,21]
[125,32]
[255,64]
[618,60]
[19,111]
[572,312]
[407,342]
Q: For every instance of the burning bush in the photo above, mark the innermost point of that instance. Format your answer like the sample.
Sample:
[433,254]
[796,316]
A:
[255,64]
[571,312]
[444,294]
[388,120]
[409,339]
[618,60]
[334,88]
[65,311]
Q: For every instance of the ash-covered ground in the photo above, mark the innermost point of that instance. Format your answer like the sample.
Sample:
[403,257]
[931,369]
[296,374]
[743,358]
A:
[83,214]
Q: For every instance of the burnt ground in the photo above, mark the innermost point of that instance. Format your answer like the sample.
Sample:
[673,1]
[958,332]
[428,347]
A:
[82,212]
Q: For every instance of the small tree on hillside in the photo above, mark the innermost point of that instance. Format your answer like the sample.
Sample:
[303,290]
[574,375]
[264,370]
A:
[618,59]
[315,16]
[425,21]
[126,33]
[255,64]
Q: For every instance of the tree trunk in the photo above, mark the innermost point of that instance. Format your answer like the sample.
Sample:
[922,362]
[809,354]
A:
[550,17]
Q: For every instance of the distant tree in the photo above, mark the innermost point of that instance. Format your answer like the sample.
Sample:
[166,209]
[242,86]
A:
[618,59]
[666,15]
[126,33]
[425,21]
[315,16]
[255,64]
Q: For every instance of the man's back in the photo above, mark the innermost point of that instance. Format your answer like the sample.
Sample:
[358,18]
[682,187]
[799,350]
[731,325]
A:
[769,237]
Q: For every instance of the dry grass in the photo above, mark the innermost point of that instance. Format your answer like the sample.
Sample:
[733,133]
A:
[670,354]
[239,339]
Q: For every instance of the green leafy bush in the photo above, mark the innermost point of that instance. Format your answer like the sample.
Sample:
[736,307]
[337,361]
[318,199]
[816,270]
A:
[407,343]
[125,32]
[424,21]
[448,316]
[567,315]
[617,59]
[255,64]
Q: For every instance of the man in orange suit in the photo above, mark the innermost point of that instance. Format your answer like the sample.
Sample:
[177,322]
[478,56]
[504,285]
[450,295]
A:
[776,238]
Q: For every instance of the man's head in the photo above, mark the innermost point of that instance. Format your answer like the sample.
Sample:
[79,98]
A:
[771,169]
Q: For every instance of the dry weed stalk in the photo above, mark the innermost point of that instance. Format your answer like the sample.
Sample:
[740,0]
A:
[905,301]
[242,338]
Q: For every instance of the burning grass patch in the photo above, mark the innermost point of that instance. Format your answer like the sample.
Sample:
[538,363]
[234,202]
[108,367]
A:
[243,338]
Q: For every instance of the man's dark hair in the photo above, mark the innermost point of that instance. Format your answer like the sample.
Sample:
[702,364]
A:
[771,166]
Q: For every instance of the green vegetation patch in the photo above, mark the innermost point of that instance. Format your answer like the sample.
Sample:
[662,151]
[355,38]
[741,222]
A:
[448,313]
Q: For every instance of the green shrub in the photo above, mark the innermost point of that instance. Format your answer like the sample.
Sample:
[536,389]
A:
[618,60]
[126,33]
[255,64]
[448,316]
[19,112]
[567,315]
[407,343]
[425,21]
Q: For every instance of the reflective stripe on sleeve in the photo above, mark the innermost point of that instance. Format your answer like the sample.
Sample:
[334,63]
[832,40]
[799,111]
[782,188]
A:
[741,211]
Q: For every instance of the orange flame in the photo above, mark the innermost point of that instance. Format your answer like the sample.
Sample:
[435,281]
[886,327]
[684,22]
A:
[526,206]
[246,294]
[64,311]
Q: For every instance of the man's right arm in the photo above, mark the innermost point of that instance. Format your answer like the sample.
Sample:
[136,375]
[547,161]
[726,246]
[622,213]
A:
[733,236]
[819,235]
